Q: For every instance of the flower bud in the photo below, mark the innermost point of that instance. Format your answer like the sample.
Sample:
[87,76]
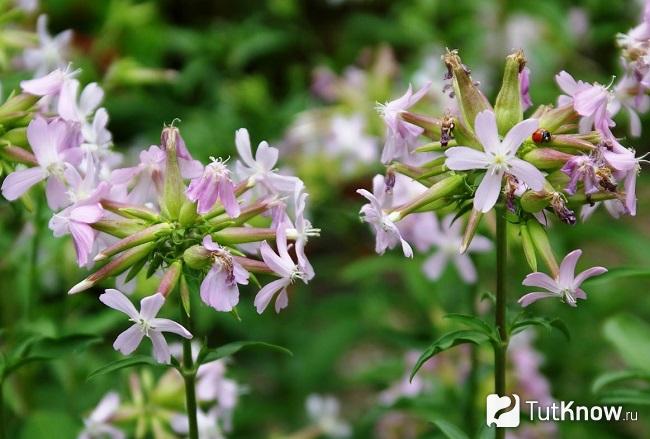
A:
[174,188]
[188,213]
[578,200]
[441,189]
[554,118]
[546,158]
[170,278]
[16,136]
[508,108]
[528,247]
[464,136]
[533,202]
[120,228]
[540,240]
[115,267]
[470,99]
[197,257]
[253,265]
[240,235]
[18,155]
[146,235]
[130,210]
[572,142]
[17,105]
[430,125]
[470,230]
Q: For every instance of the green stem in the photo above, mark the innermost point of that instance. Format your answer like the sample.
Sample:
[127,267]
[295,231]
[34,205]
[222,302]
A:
[500,310]
[2,410]
[472,378]
[189,376]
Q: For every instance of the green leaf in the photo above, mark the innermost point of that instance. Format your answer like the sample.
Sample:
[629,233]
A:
[448,341]
[232,348]
[487,432]
[617,376]
[124,363]
[626,396]
[472,321]
[48,348]
[548,323]
[630,337]
[449,429]
[44,423]
[618,273]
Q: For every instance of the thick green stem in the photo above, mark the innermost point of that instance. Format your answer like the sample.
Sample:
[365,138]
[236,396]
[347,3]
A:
[500,310]
[472,378]
[189,376]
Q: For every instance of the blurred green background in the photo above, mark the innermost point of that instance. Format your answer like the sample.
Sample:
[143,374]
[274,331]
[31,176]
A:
[252,64]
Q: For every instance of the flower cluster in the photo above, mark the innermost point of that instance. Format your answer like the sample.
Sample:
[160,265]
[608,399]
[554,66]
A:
[559,159]
[169,213]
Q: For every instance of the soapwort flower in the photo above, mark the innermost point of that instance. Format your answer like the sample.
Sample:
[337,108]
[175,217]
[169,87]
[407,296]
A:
[145,323]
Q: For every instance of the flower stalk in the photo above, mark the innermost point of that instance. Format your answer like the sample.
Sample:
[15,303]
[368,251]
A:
[501,347]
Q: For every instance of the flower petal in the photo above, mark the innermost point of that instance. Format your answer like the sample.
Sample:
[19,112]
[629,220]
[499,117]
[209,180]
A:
[568,268]
[116,300]
[527,173]
[590,272]
[485,127]
[264,296]
[462,158]
[19,182]
[167,325]
[149,306]
[161,350]
[129,340]
[534,297]
[541,280]
[488,191]
[517,134]
[434,265]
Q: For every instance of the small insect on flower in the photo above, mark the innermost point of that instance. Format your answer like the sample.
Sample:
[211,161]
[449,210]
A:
[541,136]
[447,130]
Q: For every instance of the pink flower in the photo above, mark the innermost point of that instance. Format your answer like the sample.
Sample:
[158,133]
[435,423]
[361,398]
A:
[262,168]
[582,168]
[145,323]
[626,166]
[98,425]
[146,178]
[498,158]
[589,100]
[400,135]
[48,85]
[283,266]
[51,52]
[219,287]
[73,111]
[301,233]
[447,237]
[215,184]
[387,234]
[566,286]
[50,143]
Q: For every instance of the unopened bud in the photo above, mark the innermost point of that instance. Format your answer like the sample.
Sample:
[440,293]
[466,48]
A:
[470,99]
[554,118]
[174,188]
[533,202]
[441,189]
[146,235]
[130,210]
[546,158]
[170,278]
[16,137]
[572,142]
[197,257]
[120,228]
[16,106]
[430,125]
[188,213]
[18,155]
[540,240]
[114,267]
[470,230]
[253,265]
[508,107]
[528,247]
[240,235]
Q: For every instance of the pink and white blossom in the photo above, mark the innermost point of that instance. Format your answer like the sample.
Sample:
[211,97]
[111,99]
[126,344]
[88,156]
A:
[51,52]
[283,266]
[219,287]
[400,135]
[566,286]
[214,185]
[145,323]
[497,158]
[98,424]
[447,236]
[50,143]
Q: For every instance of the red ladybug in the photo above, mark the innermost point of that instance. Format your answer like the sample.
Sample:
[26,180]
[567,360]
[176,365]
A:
[541,136]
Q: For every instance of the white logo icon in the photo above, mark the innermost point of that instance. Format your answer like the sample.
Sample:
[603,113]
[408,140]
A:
[502,411]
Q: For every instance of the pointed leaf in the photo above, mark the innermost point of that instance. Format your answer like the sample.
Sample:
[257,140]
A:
[449,429]
[232,348]
[124,363]
[617,376]
[629,335]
